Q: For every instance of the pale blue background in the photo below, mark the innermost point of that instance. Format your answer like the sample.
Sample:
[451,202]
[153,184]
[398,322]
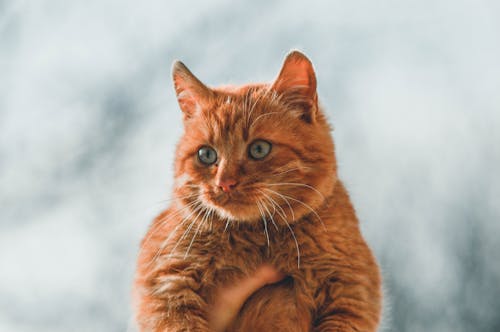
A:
[88,125]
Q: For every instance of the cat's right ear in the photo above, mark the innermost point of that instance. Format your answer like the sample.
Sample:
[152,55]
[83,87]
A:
[192,94]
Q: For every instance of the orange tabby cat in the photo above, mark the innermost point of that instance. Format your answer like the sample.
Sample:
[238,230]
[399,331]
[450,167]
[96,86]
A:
[256,184]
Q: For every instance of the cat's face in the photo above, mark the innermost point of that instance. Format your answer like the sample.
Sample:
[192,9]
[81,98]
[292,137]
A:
[257,151]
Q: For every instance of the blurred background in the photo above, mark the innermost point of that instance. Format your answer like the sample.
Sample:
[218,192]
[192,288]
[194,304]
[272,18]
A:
[89,122]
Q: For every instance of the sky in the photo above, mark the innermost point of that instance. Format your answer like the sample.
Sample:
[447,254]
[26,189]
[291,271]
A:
[89,124]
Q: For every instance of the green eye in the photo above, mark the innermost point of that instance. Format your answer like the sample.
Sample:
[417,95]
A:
[207,155]
[259,149]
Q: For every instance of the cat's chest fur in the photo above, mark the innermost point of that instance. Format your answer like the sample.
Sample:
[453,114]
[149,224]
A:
[294,250]
[238,250]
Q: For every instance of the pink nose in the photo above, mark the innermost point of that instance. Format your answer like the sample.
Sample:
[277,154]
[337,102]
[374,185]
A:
[227,185]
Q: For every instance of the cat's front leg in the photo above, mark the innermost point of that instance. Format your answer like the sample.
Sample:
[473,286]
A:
[171,301]
[346,307]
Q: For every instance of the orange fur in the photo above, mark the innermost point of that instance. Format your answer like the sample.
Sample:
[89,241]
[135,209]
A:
[288,210]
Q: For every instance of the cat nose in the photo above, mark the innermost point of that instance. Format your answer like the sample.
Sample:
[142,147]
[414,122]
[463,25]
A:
[227,184]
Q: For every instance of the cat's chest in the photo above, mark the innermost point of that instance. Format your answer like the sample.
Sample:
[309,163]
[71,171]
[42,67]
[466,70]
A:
[232,255]
[254,247]
[297,254]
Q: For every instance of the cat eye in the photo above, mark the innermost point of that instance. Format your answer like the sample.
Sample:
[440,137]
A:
[259,149]
[207,155]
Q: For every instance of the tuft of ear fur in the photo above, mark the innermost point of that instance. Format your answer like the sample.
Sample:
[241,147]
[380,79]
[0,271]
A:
[296,82]
[192,94]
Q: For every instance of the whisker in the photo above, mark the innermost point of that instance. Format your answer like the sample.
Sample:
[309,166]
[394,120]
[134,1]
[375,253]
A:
[269,212]
[264,220]
[296,243]
[259,98]
[164,220]
[246,104]
[298,185]
[284,199]
[308,207]
[291,231]
[260,116]
[212,220]
[186,232]
[275,204]
[203,220]
[165,242]
[227,225]
[290,170]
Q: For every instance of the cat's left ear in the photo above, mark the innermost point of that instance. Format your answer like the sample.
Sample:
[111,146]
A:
[296,82]
[193,96]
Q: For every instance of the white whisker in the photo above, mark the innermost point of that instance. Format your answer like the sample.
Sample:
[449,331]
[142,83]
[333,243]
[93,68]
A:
[308,207]
[291,230]
[275,204]
[284,199]
[290,170]
[298,185]
[164,220]
[260,116]
[296,243]
[269,213]
[227,225]
[207,213]
[165,242]
[264,221]
[188,229]
[259,98]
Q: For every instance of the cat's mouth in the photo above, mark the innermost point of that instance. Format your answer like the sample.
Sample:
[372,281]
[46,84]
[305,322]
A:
[235,205]
[232,198]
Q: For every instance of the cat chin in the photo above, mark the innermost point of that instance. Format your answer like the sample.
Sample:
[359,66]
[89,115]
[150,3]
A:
[225,215]
[235,216]
[236,213]
[229,208]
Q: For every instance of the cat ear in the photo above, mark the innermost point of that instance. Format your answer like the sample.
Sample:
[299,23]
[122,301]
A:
[297,83]
[192,94]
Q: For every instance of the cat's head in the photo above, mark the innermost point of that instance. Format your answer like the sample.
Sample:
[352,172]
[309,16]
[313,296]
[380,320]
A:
[254,151]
